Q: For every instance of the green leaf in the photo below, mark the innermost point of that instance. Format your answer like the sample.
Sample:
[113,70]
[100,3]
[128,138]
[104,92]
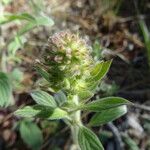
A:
[31,134]
[97,73]
[97,50]
[60,98]
[107,115]
[43,98]
[27,27]
[5,90]
[42,72]
[88,140]
[130,143]
[16,76]
[104,103]
[16,44]
[58,114]
[100,71]
[41,112]
[42,20]
[85,95]
[145,31]
[97,68]
[29,111]
[146,36]
[91,86]
[12,17]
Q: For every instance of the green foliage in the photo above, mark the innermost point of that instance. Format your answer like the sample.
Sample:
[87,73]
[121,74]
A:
[131,144]
[16,44]
[146,36]
[73,76]
[85,95]
[31,134]
[13,17]
[106,116]
[104,103]
[88,140]
[42,20]
[29,111]
[16,76]
[25,22]
[46,108]
[30,22]
[42,72]
[43,98]
[5,90]
[100,70]
[97,49]
[60,98]
[39,111]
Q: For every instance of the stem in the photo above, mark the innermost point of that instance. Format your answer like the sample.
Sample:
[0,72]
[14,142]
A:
[4,62]
[75,126]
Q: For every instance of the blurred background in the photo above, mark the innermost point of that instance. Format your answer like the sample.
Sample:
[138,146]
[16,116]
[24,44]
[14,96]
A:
[117,29]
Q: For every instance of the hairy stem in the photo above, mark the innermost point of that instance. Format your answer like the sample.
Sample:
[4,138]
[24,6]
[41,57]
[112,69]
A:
[75,126]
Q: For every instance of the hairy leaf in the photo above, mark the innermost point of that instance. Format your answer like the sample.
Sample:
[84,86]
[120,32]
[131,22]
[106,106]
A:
[104,103]
[60,98]
[100,70]
[41,112]
[43,98]
[29,111]
[88,140]
[107,115]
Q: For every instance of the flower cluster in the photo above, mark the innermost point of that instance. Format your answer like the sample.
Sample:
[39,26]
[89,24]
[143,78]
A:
[68,61]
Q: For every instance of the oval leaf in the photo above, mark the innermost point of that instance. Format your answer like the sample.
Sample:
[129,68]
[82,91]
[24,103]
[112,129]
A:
[107,115]
[104,103]
[5,90]
[100,71]
[41,112]
[28,111]
[58,114]
[60,98]
[31,134]
[43,98]
[88,140]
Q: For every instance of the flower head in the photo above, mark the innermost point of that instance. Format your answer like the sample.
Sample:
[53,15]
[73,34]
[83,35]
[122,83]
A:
[67,60]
